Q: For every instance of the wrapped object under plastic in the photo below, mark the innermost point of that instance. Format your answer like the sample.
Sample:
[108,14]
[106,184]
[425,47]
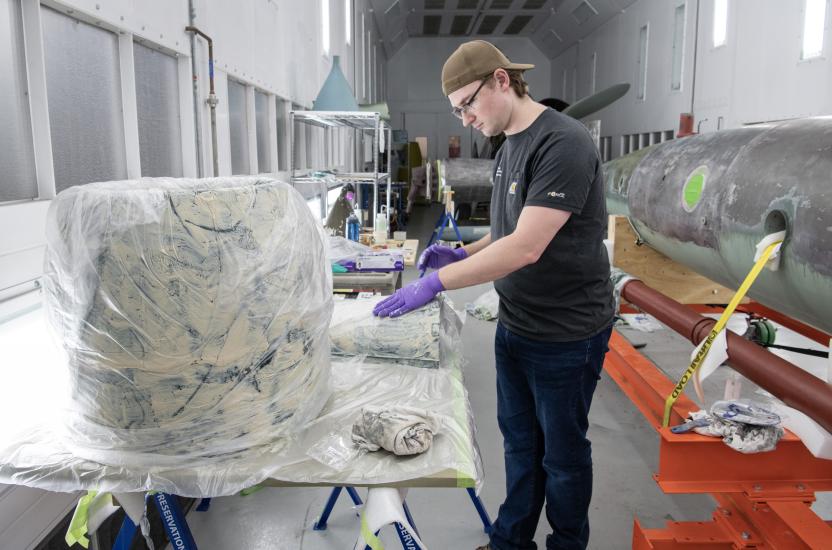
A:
[423,337]
[486,307]
[193,314]
[400,430]
[32,452]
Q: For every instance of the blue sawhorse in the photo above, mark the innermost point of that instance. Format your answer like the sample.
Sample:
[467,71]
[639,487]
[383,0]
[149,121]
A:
[173,519]
[443,222]
[407,543]
[320,525]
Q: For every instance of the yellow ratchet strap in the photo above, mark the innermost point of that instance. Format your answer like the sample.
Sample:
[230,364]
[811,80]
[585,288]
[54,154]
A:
[720,325]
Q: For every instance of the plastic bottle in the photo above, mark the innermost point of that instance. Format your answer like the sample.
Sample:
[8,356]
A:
[353,227]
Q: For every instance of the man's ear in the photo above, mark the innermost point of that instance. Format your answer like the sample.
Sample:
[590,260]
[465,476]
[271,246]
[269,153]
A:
[502,79]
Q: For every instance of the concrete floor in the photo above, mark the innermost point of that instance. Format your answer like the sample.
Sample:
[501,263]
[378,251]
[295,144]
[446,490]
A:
[625,451]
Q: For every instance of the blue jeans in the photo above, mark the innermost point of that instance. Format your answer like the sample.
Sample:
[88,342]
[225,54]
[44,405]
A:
[544,391]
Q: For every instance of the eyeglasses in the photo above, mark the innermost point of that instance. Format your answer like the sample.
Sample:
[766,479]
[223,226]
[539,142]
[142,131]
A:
[466,107]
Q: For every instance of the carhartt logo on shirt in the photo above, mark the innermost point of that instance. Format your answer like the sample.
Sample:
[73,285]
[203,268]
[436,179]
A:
[556,195]
[512,188]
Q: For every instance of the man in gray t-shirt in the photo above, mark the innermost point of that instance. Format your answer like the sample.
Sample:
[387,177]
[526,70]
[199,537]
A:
[546,257]
[566,294]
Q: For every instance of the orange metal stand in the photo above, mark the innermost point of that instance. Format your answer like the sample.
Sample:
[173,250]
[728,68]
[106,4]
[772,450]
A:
[764,499]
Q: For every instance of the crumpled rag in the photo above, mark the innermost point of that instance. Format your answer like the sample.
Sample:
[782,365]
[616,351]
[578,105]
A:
[400,430]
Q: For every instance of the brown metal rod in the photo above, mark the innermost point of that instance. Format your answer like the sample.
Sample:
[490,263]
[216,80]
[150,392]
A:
[788,382]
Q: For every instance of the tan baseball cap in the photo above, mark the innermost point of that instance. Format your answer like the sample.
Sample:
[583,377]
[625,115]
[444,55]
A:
[473,61]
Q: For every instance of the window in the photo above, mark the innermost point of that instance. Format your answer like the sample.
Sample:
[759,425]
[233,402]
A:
[720,22]
[157,107]
[17,152]
[282,134]
[325,26]
[309,144]
[814,20]
[625,145]
[238,127]
[299,142]
[84,91]
[314,205]
[332,196]
[367,82]
[606,148]
[373,73]
[642,63]
[594,68]
[678,48]
[348,21]
[363,59]
[261,107]
[574,83]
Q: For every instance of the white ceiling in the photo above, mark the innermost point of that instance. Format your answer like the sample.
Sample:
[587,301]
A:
[553,25]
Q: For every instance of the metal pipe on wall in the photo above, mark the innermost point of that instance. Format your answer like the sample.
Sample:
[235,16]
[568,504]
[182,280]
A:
[212,97]
[195,83]
[788,382]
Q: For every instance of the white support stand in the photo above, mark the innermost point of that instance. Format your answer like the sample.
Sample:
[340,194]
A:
[384,507]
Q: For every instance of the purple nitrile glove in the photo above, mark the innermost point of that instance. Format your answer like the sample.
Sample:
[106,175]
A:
[410,297]
[436,256]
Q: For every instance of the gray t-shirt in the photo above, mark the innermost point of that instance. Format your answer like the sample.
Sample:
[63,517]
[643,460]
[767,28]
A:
[566,295]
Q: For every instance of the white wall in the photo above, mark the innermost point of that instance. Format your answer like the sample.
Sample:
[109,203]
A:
[414,88]
[757,76]
[273,45]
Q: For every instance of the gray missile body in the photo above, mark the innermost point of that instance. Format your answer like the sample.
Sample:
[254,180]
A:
[707,200]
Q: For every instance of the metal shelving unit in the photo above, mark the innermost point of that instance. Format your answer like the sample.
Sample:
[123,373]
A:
[358,120]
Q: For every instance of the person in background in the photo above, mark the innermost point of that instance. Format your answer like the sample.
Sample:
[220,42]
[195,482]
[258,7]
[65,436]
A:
[546,256]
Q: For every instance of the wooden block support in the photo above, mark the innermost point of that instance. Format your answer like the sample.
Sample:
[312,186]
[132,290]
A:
[660,272]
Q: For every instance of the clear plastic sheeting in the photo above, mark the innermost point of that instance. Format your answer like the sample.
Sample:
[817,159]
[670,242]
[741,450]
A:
[330,456]
[33,454]
[424,338]
[193,315]
[340,248]
[486,307]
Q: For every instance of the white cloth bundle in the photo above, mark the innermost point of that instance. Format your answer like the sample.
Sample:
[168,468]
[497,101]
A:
[743,425]
[400,430]
[194,314]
